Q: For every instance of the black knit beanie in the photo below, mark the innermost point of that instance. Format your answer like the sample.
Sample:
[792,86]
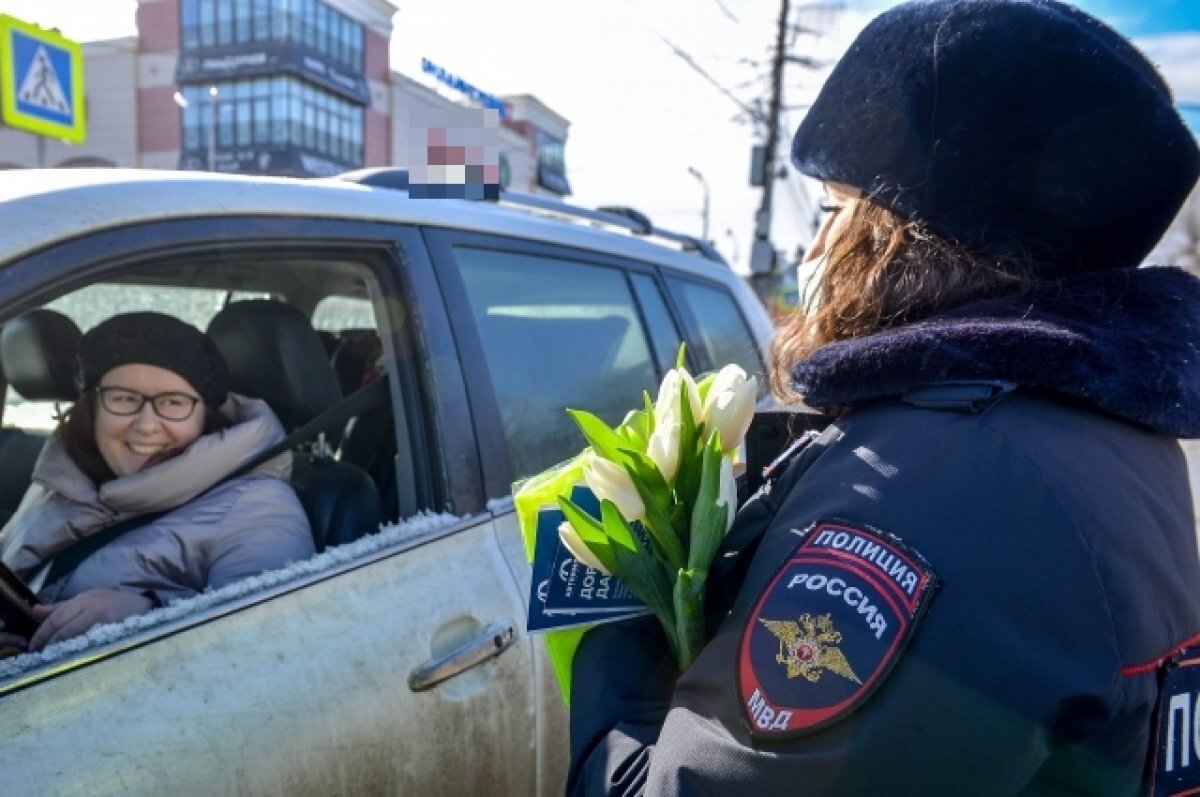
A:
[1019,128]
[153,339]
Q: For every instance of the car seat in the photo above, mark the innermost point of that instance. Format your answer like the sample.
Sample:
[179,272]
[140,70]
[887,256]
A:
[368,440]
[275,355]
[37,352]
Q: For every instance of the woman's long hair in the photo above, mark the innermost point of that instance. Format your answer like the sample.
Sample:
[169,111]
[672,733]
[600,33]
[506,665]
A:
[882,272]
[76,432]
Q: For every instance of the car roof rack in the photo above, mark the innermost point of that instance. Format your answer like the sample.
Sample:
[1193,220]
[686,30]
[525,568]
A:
[621,216]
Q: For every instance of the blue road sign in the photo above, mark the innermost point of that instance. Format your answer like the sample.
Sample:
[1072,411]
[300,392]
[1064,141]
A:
[41,81]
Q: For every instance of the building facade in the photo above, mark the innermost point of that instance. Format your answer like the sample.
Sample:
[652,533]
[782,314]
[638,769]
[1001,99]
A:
[280,87]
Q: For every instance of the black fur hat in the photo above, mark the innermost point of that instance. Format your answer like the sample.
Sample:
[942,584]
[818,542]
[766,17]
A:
[1016,127]
[154,339]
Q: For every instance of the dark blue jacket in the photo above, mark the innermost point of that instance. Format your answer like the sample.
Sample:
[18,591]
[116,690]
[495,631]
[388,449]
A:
[1046,539]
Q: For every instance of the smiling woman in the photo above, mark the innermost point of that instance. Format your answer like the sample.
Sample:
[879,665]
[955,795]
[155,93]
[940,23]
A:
[148,448]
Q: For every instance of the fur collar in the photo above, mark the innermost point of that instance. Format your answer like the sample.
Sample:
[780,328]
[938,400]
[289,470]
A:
[1126,342]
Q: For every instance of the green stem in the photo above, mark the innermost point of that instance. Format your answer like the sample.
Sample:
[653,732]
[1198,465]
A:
[689,615]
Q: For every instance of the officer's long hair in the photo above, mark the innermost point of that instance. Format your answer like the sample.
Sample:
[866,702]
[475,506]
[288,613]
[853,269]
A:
[883,272]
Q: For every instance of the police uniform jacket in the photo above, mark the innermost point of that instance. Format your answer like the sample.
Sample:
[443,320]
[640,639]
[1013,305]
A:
[966,585]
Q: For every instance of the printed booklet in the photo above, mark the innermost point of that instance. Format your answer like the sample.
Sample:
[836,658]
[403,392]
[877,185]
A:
[565,593]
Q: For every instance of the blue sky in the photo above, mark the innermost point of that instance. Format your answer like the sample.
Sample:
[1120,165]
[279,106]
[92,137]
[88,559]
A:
[1147,17]
[1177,20]
[1168,31]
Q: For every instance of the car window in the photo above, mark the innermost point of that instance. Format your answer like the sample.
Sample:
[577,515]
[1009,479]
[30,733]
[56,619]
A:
[664,335]
[335,313]
[556,333]
[722,329]
[345,325]
[90,305]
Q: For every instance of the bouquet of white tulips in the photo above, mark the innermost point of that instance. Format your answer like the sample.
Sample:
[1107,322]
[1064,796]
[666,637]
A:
[664,480]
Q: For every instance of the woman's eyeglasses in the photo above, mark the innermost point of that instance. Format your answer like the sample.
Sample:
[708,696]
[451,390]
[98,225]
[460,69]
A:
[171,406]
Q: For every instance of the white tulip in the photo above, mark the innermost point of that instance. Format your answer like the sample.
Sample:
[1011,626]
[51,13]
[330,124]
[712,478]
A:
[578,548]
[727,491]
[668,396]
[663,447]
[609,481]
[729,406]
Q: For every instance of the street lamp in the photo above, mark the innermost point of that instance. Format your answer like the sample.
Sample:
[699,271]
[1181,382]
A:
[215,98]
[694,172]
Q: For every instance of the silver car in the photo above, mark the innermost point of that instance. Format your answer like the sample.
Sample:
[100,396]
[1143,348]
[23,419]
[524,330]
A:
[395,661]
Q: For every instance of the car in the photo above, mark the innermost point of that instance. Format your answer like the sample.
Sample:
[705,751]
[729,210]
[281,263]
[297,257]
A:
[396,660]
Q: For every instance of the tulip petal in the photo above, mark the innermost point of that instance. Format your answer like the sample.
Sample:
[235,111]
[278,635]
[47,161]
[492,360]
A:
[578,548]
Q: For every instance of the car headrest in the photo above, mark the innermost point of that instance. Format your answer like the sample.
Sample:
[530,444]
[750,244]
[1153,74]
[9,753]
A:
[355,356]
[37,355]
[275,355]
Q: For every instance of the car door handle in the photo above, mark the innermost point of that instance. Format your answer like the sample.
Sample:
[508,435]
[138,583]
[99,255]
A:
[491,642]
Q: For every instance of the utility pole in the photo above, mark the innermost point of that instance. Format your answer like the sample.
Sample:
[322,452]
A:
[764,271]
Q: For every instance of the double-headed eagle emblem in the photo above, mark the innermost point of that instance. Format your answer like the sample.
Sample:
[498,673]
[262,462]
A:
[807,648]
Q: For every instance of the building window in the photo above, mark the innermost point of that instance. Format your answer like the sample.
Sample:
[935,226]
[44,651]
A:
[189,24]
[275,111]
[551,153]
[224,21]
[324,30]
[262,20]
[552,167]
[208,22]
[241,21]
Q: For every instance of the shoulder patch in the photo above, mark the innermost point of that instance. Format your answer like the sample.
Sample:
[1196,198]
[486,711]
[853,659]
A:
[828,627]
[1177,748]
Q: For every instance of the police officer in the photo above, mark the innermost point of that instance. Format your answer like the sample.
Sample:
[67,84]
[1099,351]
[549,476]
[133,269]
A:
[970,583]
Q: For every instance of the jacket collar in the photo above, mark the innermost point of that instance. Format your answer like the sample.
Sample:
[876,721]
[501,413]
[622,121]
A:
[1126,342]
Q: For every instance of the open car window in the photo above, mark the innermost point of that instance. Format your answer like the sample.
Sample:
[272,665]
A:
[339,295]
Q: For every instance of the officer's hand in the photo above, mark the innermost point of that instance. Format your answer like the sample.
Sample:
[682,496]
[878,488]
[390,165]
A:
[73,617]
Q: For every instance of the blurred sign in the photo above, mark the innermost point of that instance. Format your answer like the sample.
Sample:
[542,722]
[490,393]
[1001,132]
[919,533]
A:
[224,63]
[41,81]
[458,84]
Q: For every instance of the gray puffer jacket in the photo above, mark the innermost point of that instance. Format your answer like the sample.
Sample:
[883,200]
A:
[239,528]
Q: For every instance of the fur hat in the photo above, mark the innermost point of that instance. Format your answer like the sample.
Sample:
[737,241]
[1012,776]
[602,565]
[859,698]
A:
[1021,128]
[153,339]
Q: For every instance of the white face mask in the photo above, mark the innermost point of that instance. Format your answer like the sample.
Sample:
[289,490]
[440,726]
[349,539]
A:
[808,278]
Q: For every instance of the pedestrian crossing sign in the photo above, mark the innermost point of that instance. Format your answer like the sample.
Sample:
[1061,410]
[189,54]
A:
[41,81]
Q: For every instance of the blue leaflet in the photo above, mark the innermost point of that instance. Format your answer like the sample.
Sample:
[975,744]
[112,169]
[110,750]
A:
[565,593]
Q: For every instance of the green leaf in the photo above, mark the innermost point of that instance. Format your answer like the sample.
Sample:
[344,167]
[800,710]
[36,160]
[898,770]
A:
[688,432]
[636,429]
[703,385]
[591,532]
[606,442]
[658,524]
[643,469]
[680,520]
[687,479]
[708,519]
[645,578]
[681,357]
[616,528]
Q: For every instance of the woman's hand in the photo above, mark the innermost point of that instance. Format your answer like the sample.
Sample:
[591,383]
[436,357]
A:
[11,644]
[73,617]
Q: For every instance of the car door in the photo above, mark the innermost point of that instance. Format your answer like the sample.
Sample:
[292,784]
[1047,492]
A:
[394,664]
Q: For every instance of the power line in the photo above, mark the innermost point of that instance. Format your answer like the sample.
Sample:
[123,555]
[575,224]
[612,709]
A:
[726,11]
[690,61]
